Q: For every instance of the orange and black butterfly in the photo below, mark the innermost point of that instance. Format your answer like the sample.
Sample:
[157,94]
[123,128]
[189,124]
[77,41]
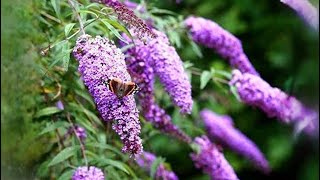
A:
[121,88]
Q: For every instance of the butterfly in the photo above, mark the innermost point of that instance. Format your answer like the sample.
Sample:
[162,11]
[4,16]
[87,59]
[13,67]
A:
[121,88]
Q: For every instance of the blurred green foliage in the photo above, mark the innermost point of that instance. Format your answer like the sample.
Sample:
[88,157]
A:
[279,44]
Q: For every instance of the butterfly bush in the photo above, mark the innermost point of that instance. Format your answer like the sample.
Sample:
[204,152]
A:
[211,35]
[99,59]
[167,65]
[212,161]
[79,132]
[145,161]
[143,74]
[128,17]
[306,10]
[88,173]
[220,130]
[275,103]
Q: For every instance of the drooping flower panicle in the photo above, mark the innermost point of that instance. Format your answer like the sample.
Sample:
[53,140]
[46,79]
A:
[275,103]
[168,66]
[221,131]
[143,74]
[128,17]
[306,10]
[100,60]
[88,173]
[145,161]
[211,35]
[212,161]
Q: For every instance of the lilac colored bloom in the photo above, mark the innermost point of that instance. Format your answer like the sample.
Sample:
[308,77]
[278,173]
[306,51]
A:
[143,74]
[145,161]
[60,105]
[219,130]
[99,59]
[168,66]
[275,103]
[88,173]
[211,35]
[135,6]
[306,10]
[128,17]
[212,161]
[79,131]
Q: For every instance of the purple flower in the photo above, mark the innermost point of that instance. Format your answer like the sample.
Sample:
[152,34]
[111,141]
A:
[212,161]
[128,17]
[60,105]
[168,66]
[306,10]
[143,74]
[211,35]
[79,131]
[133,5]
[99,59]
[88,173]
[145,161]
[221,131]
[275,103]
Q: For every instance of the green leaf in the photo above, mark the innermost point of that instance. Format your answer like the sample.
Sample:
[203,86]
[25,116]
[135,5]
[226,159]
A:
[56,6]
[43,169]
[112,173]
[66,175]
[154,166]
[196,49]
[86,96]
[234,91]
[63,155]
[47,111]
[118,164]
[53,126]
[204,78]
[105,146]
[68,28]
[113,30]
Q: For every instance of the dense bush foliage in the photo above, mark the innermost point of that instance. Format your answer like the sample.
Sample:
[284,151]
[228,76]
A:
[59,109]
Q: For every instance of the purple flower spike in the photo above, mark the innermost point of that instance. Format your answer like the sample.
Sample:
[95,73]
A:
[275,103]
[128,17]
[99,59]
[133,5]
[145,161]
[306,10]
[219,130]
[143,74]
[211,35]
[88,173]
[212,161]
[169,68]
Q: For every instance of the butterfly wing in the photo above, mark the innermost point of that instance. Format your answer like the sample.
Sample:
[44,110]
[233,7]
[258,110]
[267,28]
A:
[129,88]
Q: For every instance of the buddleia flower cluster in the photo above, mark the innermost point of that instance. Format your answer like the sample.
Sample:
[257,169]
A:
[275,103]
[211,160]
[100,60]
[220,130]
[88,173]
[145,161]
[128,17]
[143,67]
[211,35]
[306,10]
